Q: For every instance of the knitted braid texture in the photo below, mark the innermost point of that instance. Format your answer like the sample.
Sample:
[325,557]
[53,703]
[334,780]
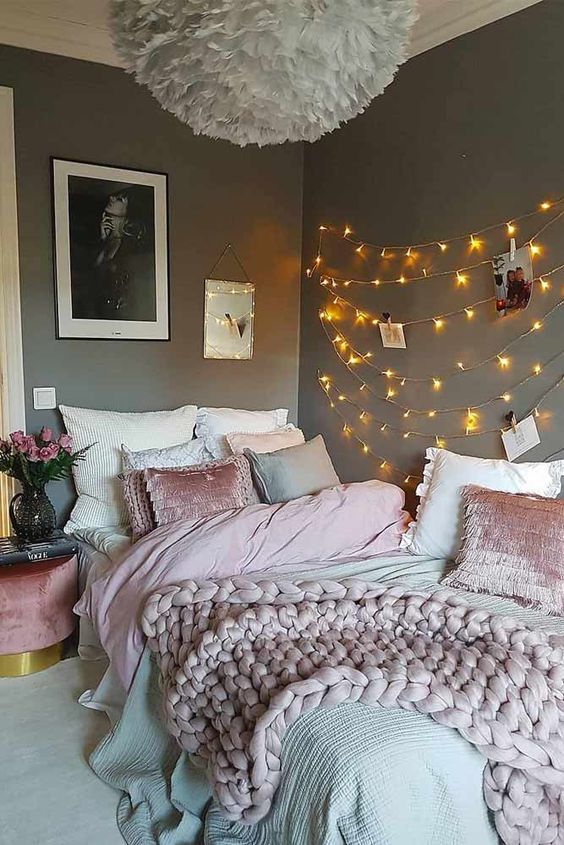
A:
[240,660]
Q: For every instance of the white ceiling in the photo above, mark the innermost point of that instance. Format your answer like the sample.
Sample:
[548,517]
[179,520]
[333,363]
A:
[78,28]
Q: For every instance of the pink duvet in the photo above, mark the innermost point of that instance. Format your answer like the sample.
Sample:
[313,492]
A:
[351,521]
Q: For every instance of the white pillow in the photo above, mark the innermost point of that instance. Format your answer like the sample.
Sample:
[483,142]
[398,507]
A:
[100,499]
[265,441]
[214,423]
[438,529]
[183,455]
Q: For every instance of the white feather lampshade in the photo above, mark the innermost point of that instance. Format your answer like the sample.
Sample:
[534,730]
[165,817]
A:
[263,71]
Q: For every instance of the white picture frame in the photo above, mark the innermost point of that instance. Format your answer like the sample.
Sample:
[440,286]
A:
[110,252]
[229,315]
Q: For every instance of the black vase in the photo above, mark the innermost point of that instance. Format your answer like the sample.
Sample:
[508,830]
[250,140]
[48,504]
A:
[32,515]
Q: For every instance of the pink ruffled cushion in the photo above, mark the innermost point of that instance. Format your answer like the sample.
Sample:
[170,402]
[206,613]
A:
[139,508]
[194,492]
[513,546]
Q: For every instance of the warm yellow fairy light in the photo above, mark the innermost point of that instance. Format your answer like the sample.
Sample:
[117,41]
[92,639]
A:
[383,465]
[347,284]
[384,427]
[506,397]
[402,382]
[535,250]
[368,355]
[401,280]
[437,383]
[407,413]
[460,365]
[363,386]
[460,278]
[324,281]
[474,242]
[406,435]
[503,361]
[545,285]
[424,272]
[359,248]
[388,373]
[432,414]
[390,393]
[318,260]
[537,412]
[469,312]
[360,315]
[438,322]
[545,205]
[362,416]
[408,253]
[375,322]
[365,448]
[323,228]
[407,479]
[383,253]
[353,359]
[442,247]
[324,379]
[537,369]
[341,397]
[346,429]
[536,325]
[511,229]
[308,272]
[347,232]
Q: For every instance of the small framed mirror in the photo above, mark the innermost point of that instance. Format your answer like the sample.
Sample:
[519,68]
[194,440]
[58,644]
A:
[229,315]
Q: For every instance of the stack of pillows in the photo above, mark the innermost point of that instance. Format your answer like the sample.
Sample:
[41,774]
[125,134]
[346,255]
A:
[236,458]
[500,522]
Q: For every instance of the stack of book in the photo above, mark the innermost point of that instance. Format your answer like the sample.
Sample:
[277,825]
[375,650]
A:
[14,550]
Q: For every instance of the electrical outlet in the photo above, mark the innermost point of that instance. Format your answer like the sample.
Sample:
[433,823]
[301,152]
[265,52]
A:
[44,398]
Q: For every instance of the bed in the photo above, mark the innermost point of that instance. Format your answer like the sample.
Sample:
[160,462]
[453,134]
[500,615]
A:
[353,774]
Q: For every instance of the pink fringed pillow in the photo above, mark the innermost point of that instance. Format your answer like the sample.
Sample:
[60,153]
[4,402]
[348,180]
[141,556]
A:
[139,510]
[193,492]
[513,546]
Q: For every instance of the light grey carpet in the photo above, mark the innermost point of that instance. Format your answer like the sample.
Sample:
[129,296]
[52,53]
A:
[48,793]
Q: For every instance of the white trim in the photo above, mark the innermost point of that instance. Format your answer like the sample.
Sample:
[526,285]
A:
[11,357]
[457,17]
[50,26]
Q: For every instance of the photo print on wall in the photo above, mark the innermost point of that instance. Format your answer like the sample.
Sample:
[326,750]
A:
[111,252]
[513,280]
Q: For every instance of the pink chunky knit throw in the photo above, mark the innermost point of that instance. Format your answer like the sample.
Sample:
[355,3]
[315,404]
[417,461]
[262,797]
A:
[240,660]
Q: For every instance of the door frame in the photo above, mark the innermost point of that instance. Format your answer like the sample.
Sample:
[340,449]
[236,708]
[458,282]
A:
[11,354]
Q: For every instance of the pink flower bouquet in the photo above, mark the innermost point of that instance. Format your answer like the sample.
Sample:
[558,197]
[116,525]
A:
[36,459]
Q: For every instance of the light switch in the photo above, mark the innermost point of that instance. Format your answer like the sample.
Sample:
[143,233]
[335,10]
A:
[44,398]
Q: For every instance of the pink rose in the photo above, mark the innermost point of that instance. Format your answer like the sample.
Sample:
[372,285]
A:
[65,442]
[17,437]
[33,453]
[46,453]
[46,434]
[26,445]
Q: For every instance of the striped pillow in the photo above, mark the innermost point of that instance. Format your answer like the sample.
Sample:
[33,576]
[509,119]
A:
[100,500]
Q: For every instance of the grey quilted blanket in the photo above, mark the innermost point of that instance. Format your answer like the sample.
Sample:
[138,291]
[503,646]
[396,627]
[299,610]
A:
[240,660]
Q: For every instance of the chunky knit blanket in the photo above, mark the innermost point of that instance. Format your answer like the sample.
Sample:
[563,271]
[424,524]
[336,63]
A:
[240,660]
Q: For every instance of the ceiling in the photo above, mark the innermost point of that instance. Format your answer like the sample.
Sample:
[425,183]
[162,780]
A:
[78,28]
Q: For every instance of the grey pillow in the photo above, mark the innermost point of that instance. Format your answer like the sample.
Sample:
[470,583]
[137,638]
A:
[292,472]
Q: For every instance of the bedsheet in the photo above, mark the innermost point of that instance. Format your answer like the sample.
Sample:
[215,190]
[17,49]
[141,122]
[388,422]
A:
[354,775]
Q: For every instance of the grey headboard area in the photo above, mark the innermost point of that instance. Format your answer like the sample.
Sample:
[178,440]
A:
[218,193]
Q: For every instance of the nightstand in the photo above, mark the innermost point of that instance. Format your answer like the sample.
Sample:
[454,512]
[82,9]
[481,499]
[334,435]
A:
[36,616]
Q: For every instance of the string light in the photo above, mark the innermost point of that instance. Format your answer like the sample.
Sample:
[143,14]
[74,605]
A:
[474,242]
[471,418]
[431,412]
[438,322]
[537,369]
[437,384]
[460,278]
[501,357]
[360,248]
[536,325]
[443,242]
[511,229]
[535,250]
[469,312]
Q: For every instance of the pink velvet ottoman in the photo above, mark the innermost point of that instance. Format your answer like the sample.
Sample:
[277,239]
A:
[36,602]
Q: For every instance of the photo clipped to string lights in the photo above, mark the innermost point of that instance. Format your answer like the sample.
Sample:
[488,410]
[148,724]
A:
[513,278]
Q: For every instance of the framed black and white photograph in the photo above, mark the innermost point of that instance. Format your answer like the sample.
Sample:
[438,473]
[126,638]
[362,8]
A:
[111,252]
[229,316]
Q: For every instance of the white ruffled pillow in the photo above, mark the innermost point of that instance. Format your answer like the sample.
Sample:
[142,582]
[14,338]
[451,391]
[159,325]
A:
[214,423]
[182,455]
[437,531]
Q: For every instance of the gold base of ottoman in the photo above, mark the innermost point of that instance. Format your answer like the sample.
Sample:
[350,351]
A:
[28,662]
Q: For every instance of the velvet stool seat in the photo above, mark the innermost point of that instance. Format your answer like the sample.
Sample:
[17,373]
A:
[36,616]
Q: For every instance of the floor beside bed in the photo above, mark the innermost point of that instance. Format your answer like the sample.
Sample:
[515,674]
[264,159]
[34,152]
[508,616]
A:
[49,793]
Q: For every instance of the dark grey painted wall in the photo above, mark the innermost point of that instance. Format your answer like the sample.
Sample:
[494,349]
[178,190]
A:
[217,193]
[469,134]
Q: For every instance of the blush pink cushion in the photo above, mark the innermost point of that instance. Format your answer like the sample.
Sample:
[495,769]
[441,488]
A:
[139,508]
[36,602]
[266,441]
[513,546]
[193,492]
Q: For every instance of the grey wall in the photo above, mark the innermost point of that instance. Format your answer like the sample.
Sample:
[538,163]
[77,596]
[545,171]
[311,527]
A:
[469,134]
[217,193]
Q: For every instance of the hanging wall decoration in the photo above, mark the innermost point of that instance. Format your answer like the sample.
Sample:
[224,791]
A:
[432,421]
[229,315]
[264,71]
